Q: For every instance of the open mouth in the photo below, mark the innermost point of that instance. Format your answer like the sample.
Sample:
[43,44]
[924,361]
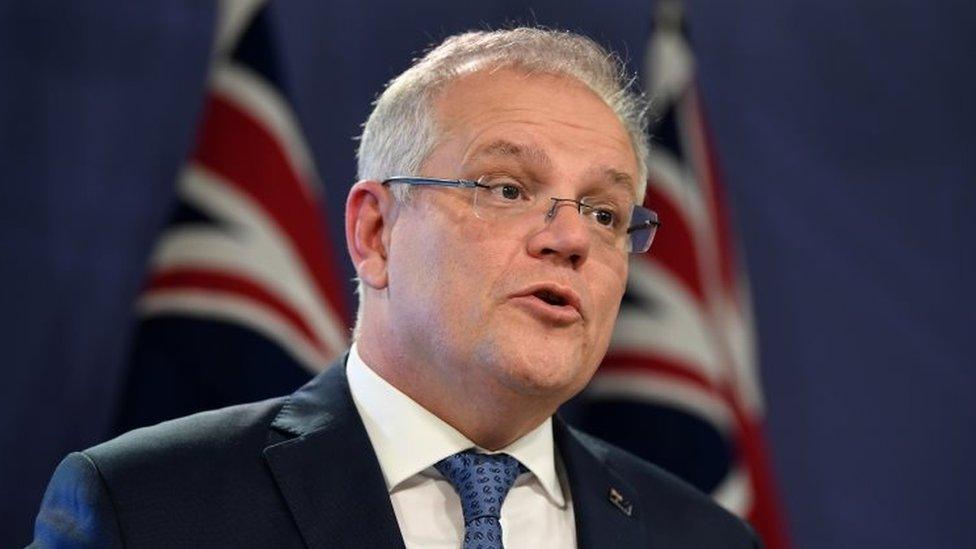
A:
[551,303]
[550,297]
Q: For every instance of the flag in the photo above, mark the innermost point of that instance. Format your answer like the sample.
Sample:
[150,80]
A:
[679,385]
[242,300]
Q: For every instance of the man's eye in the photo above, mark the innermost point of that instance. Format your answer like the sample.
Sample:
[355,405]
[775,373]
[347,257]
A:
[510,192]
[605,217]
[507,190]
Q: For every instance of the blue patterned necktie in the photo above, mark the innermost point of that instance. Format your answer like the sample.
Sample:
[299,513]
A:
[481,481]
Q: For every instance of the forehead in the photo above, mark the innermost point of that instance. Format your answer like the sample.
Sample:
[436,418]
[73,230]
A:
[550,122]
[504,150]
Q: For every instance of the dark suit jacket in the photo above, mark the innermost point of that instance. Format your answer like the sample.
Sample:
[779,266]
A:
[299,471]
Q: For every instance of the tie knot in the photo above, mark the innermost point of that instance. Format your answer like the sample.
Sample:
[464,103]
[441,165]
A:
[481,481]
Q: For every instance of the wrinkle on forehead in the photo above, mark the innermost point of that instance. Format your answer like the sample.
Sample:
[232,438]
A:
[503,148]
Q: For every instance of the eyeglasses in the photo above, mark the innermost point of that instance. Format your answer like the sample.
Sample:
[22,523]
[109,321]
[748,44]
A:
[613,220]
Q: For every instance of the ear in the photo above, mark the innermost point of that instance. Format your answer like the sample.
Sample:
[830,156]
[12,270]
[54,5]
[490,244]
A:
[369,216]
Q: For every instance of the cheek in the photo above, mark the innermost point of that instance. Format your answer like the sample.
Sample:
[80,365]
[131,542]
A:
[414,256]
[435,271]
[607,293]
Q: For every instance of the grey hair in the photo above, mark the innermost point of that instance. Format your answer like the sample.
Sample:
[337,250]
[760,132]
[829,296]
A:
[402,129]
[401,132]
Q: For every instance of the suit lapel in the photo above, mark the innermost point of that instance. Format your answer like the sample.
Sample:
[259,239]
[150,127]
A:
[328,474]
[606,507]
[326,469]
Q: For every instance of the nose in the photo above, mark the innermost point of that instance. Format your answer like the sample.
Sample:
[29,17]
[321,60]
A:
[564,238]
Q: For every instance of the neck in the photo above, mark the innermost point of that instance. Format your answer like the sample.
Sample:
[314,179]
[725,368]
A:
[488,414]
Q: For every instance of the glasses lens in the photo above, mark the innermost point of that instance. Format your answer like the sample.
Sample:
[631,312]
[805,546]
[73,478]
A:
[500,197]
[643,227]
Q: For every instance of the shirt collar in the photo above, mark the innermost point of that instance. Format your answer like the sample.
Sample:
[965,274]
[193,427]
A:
[408,439]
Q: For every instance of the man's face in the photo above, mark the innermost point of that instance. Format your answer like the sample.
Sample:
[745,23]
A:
[471,295]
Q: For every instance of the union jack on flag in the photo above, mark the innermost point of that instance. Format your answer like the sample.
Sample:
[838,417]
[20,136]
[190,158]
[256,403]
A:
[243,300]
[679,385]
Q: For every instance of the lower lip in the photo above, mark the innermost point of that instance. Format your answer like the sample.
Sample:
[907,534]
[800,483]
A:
[561,315]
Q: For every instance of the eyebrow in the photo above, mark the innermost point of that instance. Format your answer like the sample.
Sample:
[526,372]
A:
[509,149]
[616,179]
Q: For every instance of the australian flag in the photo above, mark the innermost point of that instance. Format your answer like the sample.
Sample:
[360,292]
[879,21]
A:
[242,299]
[679,385]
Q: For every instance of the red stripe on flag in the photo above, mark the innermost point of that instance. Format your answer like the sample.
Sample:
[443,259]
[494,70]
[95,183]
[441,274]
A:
[234,144]
[766,513]
[623,361]
[751,450]
[223,283]
[719,210]
[674,244]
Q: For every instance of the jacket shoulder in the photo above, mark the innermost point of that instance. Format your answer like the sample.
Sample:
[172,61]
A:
[692,518]
[206,434]
[193,481]
[76,510]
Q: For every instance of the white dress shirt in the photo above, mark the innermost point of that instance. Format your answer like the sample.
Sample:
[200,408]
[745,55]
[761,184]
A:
[409,440]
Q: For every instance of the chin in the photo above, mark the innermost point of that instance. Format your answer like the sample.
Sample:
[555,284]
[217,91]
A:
[539,370]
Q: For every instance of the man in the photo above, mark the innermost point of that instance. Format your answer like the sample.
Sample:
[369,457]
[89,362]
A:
[490,230]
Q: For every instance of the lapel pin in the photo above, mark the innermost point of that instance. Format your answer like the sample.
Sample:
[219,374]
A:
[618,501]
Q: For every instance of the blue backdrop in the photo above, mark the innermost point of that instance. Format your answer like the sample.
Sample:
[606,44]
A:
[847,133]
